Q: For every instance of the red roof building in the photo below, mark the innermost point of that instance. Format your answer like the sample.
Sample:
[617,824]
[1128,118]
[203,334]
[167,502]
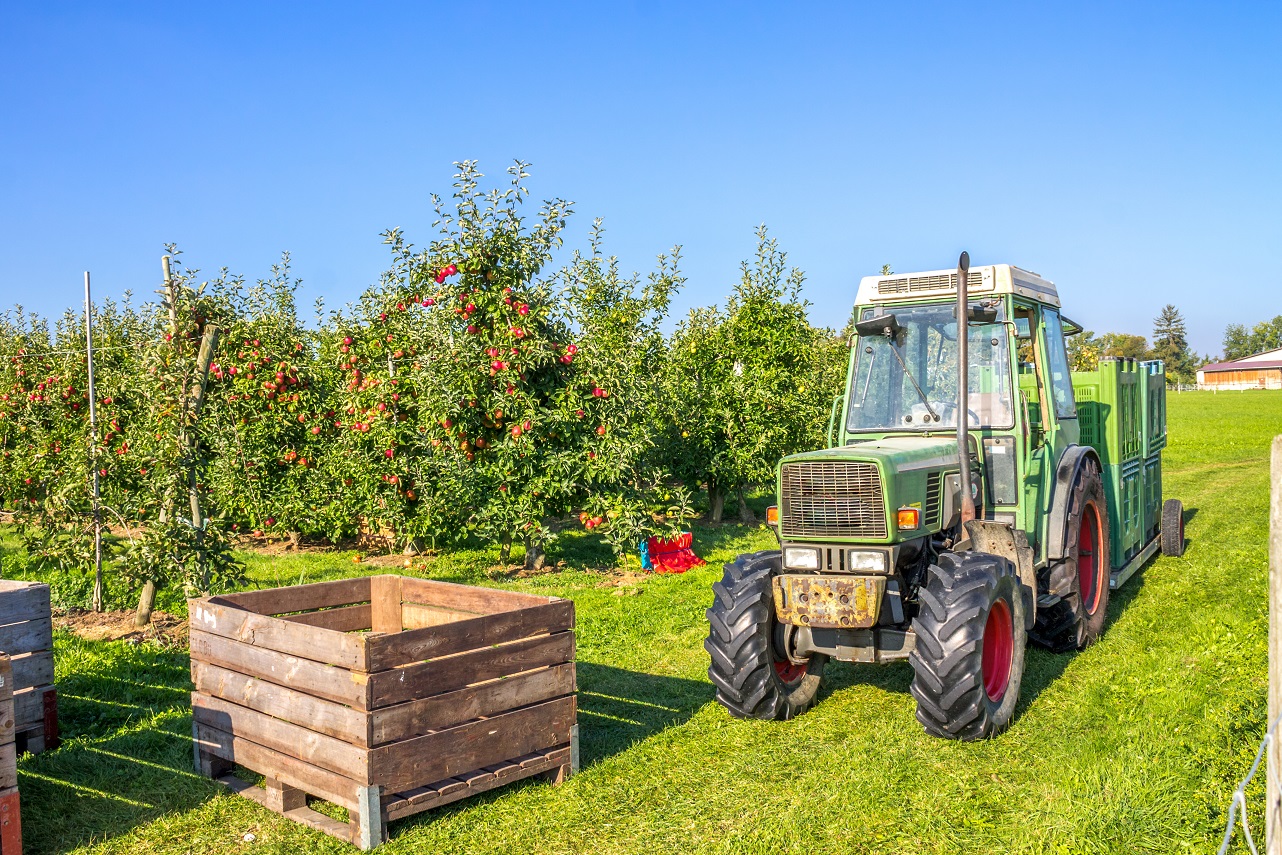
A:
[1258,371]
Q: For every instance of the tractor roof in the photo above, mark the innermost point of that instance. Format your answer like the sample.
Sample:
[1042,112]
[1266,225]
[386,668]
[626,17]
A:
[988,279]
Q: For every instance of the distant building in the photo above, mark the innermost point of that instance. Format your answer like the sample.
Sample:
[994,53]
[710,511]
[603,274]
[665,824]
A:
[1258,371]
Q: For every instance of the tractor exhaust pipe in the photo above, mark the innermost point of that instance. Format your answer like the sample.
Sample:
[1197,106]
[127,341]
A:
[963,390]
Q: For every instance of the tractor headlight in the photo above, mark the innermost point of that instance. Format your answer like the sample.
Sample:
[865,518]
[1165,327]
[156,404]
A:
[797,558]
[866,562]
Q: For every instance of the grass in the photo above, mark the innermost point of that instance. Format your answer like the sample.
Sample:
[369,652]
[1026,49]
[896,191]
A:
[1133,745]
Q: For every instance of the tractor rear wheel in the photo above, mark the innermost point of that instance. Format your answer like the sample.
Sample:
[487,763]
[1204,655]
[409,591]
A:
[1173,527]
[969,658]
[753,674]
[1088,540]
[1077,619]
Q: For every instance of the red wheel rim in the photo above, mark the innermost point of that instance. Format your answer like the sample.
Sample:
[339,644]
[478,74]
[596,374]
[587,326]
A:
[999,650]
[789,672]
[1089,551]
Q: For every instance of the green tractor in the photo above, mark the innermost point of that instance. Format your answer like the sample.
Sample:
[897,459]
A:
[949,521]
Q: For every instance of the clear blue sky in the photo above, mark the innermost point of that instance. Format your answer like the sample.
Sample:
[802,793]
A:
[1132,153]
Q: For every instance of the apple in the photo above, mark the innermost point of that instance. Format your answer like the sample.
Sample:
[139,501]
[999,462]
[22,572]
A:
[600,431]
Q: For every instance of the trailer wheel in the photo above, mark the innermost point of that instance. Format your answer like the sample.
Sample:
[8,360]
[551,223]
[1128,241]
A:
[969,659]
[1173,527]
[753,676]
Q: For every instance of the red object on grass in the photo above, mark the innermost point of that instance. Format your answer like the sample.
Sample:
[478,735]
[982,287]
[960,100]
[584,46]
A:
[673,556]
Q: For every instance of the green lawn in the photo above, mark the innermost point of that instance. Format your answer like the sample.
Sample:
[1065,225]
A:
[1132,746]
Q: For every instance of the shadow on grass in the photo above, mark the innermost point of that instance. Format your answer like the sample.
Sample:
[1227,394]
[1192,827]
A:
[617,709]
[1042,667]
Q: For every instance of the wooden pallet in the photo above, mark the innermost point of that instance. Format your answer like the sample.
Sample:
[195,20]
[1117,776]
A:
[26,634]
[385,695]
[10,808]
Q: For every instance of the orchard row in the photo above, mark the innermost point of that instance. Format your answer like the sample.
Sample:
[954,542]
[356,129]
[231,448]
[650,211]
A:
[474,393]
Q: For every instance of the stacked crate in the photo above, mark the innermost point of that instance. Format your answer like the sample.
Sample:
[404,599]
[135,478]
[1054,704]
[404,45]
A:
[26,634]
[386,695]
[1122,415]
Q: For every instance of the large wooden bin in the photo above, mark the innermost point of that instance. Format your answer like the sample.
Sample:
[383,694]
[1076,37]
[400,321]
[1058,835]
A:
[386,695]
[26,635]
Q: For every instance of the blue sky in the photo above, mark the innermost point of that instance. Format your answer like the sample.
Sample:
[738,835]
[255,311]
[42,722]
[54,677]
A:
[1130,152]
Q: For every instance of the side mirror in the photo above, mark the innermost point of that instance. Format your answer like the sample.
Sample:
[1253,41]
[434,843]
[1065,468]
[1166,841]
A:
[982,314]
[885,325]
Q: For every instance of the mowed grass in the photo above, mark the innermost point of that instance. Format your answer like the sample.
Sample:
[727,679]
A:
[1134,745]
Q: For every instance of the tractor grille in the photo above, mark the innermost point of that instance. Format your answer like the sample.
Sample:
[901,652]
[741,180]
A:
[930,514]
[822,500]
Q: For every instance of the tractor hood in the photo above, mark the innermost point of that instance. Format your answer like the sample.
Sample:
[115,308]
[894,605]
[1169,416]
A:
[851,494]
[894,453]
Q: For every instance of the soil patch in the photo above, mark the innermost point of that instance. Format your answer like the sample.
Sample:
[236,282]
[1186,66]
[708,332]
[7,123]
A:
[165,629]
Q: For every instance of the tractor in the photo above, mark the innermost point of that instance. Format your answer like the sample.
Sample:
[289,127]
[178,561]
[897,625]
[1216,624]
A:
[975,494]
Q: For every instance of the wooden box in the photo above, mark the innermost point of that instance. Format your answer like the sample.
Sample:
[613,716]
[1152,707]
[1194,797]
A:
[386,695]
[26,634]
[10,813]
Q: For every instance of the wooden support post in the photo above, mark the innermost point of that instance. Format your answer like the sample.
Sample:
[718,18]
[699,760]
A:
[282,797]
[1273,806]
[206,764]
[368,825]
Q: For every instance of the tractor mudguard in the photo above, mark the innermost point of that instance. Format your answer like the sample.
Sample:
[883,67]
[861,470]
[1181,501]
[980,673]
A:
[997,538]
[1057,545]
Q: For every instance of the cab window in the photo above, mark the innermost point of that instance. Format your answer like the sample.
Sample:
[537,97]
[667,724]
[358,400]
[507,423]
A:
[1057,362]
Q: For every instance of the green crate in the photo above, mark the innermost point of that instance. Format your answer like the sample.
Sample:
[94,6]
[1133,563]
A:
[1154,407]
[1125,491]
[1110,404]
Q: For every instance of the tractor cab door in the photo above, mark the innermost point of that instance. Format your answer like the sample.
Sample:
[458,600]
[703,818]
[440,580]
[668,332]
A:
[1047,411]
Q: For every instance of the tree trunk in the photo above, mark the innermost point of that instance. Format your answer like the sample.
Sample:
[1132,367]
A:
[146,603]
[505,549]
[413,546]
[295,540]
[716,501]
[746,516]
[535,558]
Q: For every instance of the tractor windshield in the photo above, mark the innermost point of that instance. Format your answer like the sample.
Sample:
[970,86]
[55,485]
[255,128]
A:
[900,380]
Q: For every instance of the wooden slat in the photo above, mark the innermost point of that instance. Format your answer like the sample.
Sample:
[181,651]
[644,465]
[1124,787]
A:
[389,651]
[298,742]
[472,746]
[412,718]
[332,719]
[32,669]
[385,603]
[27,636]
[296,639]
[310,779]
[342,619]
[478,782]
[301,598]
[21,601]
[468,598]
[419,615]
[424,679]
[303,675]
[29,707]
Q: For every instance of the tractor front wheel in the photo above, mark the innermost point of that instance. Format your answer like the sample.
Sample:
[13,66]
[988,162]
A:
[969,658]
[751,669]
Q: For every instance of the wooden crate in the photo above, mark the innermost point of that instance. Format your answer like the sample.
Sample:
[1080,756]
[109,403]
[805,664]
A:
[386,695]
[26,634]
[10,810]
